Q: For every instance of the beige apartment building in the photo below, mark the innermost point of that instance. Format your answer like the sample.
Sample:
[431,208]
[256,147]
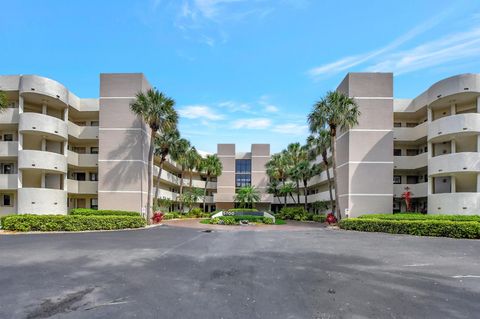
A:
[59,151]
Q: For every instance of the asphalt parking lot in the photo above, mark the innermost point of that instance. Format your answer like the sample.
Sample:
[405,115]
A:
[172,272]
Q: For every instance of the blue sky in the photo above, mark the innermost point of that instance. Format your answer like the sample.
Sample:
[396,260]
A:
[241,71]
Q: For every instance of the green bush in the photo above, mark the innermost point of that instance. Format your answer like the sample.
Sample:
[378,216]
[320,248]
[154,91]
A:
[319,218]
[172,215]
[69,222]
[457,218]
[268,220]
[95,212]
[293,213]
[243,210]
[224,220]
[438,228]
[235,220]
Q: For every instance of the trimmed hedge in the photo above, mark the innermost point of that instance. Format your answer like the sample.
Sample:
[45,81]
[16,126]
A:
[456,218]
[95,212]
[300,214]
[437,228]
[69,222]
[235,220]
[243,210]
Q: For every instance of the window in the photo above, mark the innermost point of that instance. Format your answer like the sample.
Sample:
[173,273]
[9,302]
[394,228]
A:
[397,152]
[242,180]
[93,177]
[7,200]
[412,152]
[94,123]
[397,124]
[79,176]
[7,169]
[94,150]
[8,137]
[243,166]
[79,150]
[94,203]
[411,124]
[412,179]
[397,179]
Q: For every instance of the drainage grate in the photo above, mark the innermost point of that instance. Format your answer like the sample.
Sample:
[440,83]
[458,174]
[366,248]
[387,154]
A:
[207,231]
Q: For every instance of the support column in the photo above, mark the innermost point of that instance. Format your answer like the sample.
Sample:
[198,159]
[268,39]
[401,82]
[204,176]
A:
[20,143]
[453,184]
[478,104]
[430,186]
[44,108]
[429,114]
[453,147]
[44,145]
[478,183]
[42,183]
[453,110]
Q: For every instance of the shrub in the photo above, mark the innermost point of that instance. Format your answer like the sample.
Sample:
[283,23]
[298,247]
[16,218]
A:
[438,228]
[224,220]
[295,213]
[94,212]
[459,218]
[70,223]
[319,218]
[243,210]
[172,215]
[268,220]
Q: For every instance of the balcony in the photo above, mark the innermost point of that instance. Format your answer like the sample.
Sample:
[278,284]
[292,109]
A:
[454,203]
[454,163]
[82,187]
[83,132]
[410,162]
[9,116]
[48,161]
[8,149]
[416,190]
[410,134]
[42,201]
[82,160]
[43,124]
[37,85]
[446,127]
[320,178]
[8,181]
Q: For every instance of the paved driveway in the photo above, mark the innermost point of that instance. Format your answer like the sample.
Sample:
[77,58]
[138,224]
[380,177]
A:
[170,272]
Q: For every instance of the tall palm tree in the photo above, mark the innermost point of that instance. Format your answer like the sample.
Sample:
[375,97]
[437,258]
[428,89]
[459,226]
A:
[194,160]
[305,171]
[319,145]
[211,167]
[180,156]
[247,195]
[337,112]
[277,169]
[164,144]
[157,110]
[287,189]
[296,154]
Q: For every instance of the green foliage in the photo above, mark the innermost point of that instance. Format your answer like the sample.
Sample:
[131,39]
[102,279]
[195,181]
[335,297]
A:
[414,216]
[267,220]
[69,222]
[197,213]
[247,196]
[437,228]
[224,220]
[172,215]
[95,212]
[319,218]
[293,213]
[235,220]
[279,221]
[243,210]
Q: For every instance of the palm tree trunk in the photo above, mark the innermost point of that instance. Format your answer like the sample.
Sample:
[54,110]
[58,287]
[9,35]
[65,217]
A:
[293,198]
[298,191]
[191,177]
[284,195]
[305,181]
[181,191]
[157,186]
[335,175]
[149,175]
[325,160]
[205,193]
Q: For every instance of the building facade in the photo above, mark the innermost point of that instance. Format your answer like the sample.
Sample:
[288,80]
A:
[59,152]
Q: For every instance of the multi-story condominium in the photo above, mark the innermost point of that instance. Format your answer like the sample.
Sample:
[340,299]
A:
[59,152]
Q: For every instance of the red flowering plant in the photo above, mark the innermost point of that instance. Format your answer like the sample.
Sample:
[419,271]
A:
[331,219]
[157,217]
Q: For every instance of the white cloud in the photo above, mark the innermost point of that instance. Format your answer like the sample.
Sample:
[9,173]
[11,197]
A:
[348,62]
[233,106]
[270,108]
[452,47]
[291,129]
[253,123]
[267,106]
[199,111]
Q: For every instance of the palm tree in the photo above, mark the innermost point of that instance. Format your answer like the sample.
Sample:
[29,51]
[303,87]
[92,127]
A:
[287,189]
[296,154]
[211,167]
[304,171]
[247,195]
[191,196]
[336,111]
[157,110]
[193,162]
[180,156]
[319,145]
[164,144]
[277,169]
